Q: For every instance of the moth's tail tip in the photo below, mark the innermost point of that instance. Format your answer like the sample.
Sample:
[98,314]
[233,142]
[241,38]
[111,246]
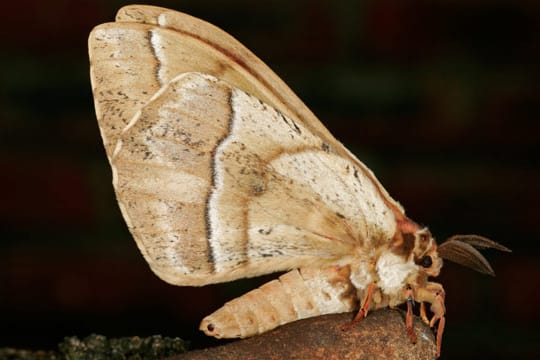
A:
[209,328]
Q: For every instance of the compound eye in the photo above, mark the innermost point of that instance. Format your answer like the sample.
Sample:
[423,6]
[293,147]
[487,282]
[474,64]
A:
[426,261]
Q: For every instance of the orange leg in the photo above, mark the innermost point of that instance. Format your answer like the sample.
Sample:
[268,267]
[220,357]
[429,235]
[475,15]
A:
[409,319]
[362,313]
[440,331]
[438,309]
[423,314]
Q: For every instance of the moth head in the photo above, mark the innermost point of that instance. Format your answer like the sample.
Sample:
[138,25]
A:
[424,251]
[415,245]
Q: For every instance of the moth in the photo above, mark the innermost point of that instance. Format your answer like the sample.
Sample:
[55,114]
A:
[221,172]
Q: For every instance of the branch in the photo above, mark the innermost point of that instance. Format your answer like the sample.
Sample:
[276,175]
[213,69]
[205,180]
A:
[381,335]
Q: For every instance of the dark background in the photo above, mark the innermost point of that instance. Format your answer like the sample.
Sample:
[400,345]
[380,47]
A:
[439,100]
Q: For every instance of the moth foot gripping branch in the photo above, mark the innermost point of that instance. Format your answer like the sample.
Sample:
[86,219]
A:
[433,293]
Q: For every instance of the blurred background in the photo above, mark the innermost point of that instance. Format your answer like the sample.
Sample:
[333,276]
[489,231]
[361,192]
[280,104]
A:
[439,98]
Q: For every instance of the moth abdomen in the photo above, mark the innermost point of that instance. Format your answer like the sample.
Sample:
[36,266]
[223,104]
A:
[298,294]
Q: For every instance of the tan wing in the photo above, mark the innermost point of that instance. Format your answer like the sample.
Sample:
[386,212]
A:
[133,61]
[216,185]
[132,58]
[147,46]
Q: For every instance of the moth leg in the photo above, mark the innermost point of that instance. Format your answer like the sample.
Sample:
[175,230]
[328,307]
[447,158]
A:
[434,293]
[362,313]
[440,330]
[409,319]
[438,310]
[423,314]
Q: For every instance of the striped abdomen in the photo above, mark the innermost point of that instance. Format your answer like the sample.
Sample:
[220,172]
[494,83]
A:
[296,295]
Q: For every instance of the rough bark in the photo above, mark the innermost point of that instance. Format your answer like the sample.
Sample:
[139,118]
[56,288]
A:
[381,335]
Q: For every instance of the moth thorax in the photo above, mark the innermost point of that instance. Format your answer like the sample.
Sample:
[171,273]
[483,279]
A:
[393,271]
